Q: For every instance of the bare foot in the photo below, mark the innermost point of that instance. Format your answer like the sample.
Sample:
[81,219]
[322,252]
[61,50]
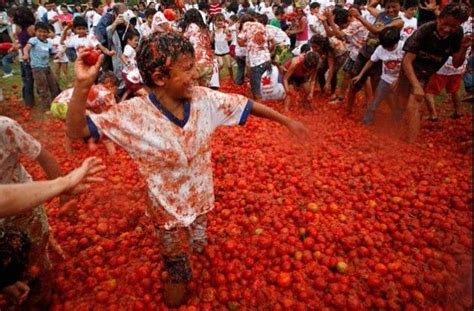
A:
[174,294]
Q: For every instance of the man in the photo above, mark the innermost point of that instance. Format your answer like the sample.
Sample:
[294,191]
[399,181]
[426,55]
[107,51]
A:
[100,30]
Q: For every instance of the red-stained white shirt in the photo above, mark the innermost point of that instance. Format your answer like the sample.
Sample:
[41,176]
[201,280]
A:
[201,43]
[74,41]
[356,34]
[173,156]
[257,47]
[99,99]
[13,142]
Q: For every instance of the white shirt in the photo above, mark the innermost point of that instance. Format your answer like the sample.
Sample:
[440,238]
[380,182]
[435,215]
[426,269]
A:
[131,55]
[174,157]
[277,35]
[76,42]
[448,68]
[57,27]
[271,85]
[391,61]
[409,27]
[315,23]
[40,12]
[221,46]
[145,30]
[59,50]
[257,47]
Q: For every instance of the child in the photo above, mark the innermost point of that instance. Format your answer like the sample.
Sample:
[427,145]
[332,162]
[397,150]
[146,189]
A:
[426,52]
[279,41]
[315,26]
[130,64]
[221,37]
[168,134]
[387,18]
[390,52]
[299,28]
[197,32]
[60,57]
[279,13]
[145,28]
[101,98]
[81,39]
[253,37]
[37,52]
[300,71]
[410,23]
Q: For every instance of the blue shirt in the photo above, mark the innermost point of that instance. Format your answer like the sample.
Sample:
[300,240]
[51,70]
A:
[39,53]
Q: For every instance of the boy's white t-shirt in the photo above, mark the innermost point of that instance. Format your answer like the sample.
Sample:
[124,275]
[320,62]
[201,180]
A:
[391,61]
[57,27]
[316,23]
[131,55]
[74,41]
[145,30]
[448,68]
[173,156]
[409,27]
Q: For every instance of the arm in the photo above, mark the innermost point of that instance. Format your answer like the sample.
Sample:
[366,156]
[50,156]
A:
[105,50]
[367,66]
[26,52]
[64,35]
[288,74]
[14,201]
[263,111]
[407,64]
[335,31]
[76,125]
[49,164]
[460,56]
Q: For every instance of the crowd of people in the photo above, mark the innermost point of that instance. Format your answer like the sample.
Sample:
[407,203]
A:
[171,57]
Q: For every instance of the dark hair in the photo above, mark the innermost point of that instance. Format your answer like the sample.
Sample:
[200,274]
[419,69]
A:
[279,10]
[24,17]
[389,36]
[234,18]
[42,25]
[218,16]
[130,35]
[359,3]
[243,19]
[51,28]
[193,16]
[233,7]
[458,11]
[262,19]
[311,59]
[341,16]
[79,22]
[160,51]
[63,6]
[203,6]
[149,12]
[108,75]
[305,48]
[14,249]
[96,4]
[391,1]
[410,4]
[314,5]
[320,41]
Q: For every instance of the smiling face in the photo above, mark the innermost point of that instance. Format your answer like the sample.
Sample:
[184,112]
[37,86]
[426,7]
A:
[392,9]
[447,25]
[42,34]
[181,79]
[410,12]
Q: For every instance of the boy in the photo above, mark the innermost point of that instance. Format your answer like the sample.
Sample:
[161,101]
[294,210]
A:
[315,26]
[81,39]
[60,57]
[37,52]
[145,28]
[129,61]
[387,18]
[390,52]
[426,52]
[168,134]
[279,13]
[253,36]
[410,23]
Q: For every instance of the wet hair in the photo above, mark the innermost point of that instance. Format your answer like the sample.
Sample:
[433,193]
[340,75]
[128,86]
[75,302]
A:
[341,16]
[389,37]
[311,59]
[24,17]
[458,11]
[41,25]
[262,19]
[320,41]
[14,249]
[79,21]
[159,51]
[105,76]
[279,11]
[314,5]
[149,12]
[305,48]
[193,16]
[410,4]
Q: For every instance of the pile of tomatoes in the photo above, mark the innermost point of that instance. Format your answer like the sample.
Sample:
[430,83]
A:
[350,218]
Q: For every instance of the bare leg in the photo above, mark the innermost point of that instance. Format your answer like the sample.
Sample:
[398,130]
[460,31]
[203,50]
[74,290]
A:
[413,118]
[125,95]
[430,104]
[456,103]
[110,147]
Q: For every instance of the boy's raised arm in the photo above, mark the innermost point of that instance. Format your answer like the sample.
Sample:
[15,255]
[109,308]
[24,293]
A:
[76,125]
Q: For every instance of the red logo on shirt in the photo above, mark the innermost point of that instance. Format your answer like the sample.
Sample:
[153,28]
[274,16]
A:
[392,64]
[409,30]
[266,81]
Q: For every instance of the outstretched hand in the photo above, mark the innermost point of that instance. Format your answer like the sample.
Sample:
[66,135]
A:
[82,177]
[86,74]
[298,129]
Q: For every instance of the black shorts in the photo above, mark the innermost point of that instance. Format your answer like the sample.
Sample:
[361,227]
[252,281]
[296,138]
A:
[297,81]
[374,72]
[348,65]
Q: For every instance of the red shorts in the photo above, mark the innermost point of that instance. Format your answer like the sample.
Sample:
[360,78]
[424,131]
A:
[438,82]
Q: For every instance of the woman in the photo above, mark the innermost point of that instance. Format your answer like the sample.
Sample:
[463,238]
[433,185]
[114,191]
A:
[25,20]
